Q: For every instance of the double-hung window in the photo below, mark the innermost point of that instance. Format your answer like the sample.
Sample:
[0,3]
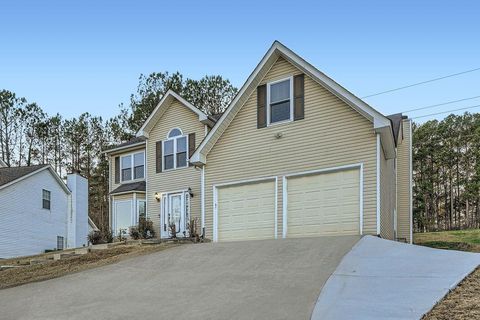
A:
[46,197]
[133,166]
[175,150]
[280,101]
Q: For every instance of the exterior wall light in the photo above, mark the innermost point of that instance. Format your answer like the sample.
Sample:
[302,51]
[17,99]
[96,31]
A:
[158,196]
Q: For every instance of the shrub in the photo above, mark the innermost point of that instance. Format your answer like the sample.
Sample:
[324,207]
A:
[193,229]
[122,235]
[107,235]
[95,237]
[145,228]
[173,230]
[135,233]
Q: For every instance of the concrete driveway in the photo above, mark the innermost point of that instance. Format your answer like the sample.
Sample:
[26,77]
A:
[277,279]
[381,279]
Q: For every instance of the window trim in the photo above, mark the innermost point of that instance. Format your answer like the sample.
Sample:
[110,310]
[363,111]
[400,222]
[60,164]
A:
[174,139]
[132,163]
[269,84]
[138,207]
[49,200]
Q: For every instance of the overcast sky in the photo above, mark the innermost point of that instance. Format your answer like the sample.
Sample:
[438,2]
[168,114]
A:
[86,56]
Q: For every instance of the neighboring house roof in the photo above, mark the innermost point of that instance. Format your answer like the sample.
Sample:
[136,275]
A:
[11,175]
[380,123]
[134,142]
[163,106]
[129,187]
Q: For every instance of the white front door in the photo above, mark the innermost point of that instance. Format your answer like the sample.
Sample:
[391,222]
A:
[174,215]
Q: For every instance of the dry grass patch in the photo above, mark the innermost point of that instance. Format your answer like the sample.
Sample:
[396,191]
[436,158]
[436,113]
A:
[460,304]
[54,269]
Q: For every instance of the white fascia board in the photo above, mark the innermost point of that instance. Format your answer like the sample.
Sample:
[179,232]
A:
[54,174]
[379,120]
[387,140]
[202,117]
[124,148]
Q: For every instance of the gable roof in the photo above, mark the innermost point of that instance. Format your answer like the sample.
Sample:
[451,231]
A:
[163,106]
[11,175]
[380,123]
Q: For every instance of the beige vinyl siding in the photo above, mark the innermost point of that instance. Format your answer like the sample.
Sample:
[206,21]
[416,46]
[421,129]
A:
[404,183]
[176,116]
[387,197]
[332,134]
[112,184]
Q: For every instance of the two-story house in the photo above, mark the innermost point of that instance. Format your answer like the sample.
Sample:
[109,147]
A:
[156,163]
[295,154]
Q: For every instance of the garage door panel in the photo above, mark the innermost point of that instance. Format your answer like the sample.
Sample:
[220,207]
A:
[246,212]
[323,204]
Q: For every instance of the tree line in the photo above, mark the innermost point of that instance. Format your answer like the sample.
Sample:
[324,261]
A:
[29,136]
[446,173]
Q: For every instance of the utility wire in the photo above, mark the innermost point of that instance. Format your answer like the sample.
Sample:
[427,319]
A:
[440,104]
[437,113]
[419,83]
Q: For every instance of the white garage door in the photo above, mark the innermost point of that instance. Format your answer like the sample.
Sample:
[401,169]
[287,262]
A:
[324,204]
[246,212]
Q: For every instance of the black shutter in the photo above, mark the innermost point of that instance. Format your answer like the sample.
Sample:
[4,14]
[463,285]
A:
[191,145]
[158,156]
[298,97]
[117,169]
[261,106]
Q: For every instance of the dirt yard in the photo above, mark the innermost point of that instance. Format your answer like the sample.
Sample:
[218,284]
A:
[464,301]
[54,269]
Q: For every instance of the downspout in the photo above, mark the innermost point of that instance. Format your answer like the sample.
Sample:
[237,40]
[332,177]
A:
[202,200]
[411,180]
[378,184]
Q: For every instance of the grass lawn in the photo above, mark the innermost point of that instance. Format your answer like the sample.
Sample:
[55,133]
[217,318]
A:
[464,301]
[464,240]
[54,269]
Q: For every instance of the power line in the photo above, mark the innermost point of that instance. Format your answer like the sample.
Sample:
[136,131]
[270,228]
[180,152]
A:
[437,113]
[419,83]
[440,104]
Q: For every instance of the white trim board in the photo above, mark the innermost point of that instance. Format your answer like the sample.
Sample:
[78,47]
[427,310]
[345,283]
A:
[52,172]
[315,172]
[240,183]
[161,108]
[380,123]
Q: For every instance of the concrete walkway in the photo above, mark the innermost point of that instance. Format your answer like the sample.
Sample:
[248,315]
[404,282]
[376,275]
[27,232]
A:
[277,279]
[382,279]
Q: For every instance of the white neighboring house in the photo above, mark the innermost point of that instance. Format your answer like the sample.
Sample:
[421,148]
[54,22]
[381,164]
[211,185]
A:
[39,212]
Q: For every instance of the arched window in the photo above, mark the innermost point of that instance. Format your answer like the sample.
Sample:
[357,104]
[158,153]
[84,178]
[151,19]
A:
[175,150]
[175,132]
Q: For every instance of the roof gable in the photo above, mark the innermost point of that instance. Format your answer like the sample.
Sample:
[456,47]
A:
[11,175]
[380,122]
[163,105]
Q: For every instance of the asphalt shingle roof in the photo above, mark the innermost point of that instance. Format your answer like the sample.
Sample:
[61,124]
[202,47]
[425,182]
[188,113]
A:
[10,174]
[134,186]
[127,143]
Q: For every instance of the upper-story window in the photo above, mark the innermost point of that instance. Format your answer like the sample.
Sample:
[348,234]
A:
[175,150]
[132,166]
[46,198]
[280,101]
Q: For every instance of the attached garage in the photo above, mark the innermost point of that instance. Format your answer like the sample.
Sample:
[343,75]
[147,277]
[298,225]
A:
[323,203]
[246,211]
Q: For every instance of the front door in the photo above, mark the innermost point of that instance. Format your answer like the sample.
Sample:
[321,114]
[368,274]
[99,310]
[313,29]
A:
[174,215]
